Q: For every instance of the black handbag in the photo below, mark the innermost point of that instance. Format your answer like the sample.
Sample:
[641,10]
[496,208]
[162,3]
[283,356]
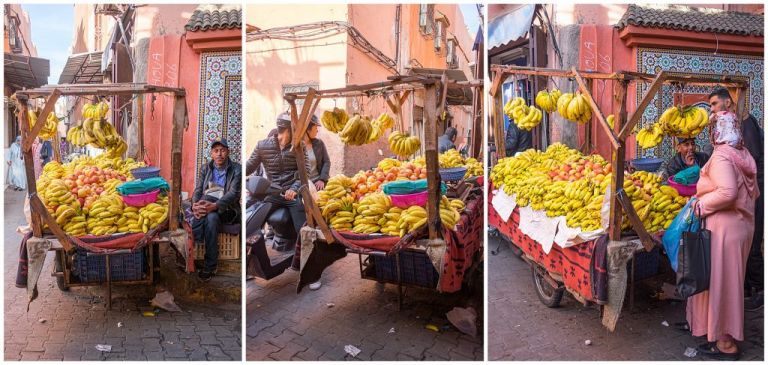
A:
[694,259]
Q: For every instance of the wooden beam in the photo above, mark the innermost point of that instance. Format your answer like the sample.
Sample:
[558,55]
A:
[404,97]
[29,168]
[496,84]
[313,210]
[49,104]
[37,205]
[634,220]
[100,89]
[419,80]
[443,96]
[617,165]
[497,116]
[56,146]
[654,88]
[587,92]
[300,125]
[550,72]
[433,165]
[177,137]
[140,127]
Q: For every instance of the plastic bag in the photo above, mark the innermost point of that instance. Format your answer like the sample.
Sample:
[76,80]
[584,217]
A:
[403,187]
[680,224]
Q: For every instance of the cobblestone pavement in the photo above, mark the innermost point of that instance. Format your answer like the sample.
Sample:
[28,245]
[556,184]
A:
[522,328]
[69,325]
[281,325]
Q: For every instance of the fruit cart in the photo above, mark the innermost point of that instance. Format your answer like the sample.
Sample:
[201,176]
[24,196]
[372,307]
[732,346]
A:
[560,270]
[89,261]
[388,257]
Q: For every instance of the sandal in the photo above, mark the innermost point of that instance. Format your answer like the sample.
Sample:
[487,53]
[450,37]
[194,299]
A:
[682,326]
[712,351]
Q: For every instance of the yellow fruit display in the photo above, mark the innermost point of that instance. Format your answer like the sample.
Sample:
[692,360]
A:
[370,213]
[150,216]
[97,132]
[450,158]
[403,144]
[524,116]
[547,101]
[390,226]
[687,122]
[334,120]
[357,131]
[50,128]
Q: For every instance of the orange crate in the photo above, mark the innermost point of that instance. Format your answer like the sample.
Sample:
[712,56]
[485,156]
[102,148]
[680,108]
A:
[229,247]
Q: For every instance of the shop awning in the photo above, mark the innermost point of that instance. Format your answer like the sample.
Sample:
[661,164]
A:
[511,26]
[82,68]
[25,72]
[456,96]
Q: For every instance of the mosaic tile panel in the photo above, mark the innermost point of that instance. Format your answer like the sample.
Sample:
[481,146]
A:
[655,60]
[220,109]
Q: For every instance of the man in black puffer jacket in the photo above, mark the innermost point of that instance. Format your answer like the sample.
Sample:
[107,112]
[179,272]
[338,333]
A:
[216,201]
[281,168]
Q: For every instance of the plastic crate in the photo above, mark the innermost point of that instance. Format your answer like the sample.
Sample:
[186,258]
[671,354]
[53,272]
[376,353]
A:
[646,264]
[229,247]
[415,269]
[90,267]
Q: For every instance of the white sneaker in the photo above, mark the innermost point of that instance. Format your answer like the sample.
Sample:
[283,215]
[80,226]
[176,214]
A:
[316,285]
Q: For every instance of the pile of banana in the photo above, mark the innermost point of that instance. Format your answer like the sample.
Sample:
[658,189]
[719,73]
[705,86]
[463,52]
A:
[474,167]
[403,144]
[687,122]
[516,108]
[55,193]
[390,226]
[150,216]
[51,124]
[574,107]
[76,226]
[370,213]
[337,203]
[663,207]
[334,120]
[650,136]
[450,158]
[387,164]
[129,222]
[96,131]
[410,219]
[104,214]
[449,211]
[103,162]
[547,101]
[357,131]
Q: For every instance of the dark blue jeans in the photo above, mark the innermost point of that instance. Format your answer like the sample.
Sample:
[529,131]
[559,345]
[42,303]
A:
[206,229]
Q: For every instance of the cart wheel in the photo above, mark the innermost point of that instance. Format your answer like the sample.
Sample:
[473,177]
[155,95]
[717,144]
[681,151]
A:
[548,295]
[57,265]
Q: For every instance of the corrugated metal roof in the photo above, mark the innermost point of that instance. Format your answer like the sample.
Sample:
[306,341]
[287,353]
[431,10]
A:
[511,26]
[82,68]
[693,19]
[215,17]
[25,72]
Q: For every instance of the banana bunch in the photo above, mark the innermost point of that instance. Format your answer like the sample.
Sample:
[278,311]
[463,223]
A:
[75,225]
[55,193]
[357,131]
[457,204]
[390,226]
[449,215]
[450,158]
[420,161]
[97,132]
[547,101]
[516,108]
[687,122]
[49,128]
[474,167]
[380,124]
[611,119]
[104,214]
[650,136]
[411,219]
[388,163]
[662,209]
[151,215]
[53,169]
[370,213]
[95,111]
[334,120]
[574,107]
[129,222]
[337,203]
[530,120]
[403,144]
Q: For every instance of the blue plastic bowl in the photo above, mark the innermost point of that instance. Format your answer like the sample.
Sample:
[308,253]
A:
[647,164]
[147,172]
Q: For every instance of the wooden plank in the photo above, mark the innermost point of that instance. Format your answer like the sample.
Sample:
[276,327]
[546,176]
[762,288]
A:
[497,118]
[587,92]
[300,152]
[550,72]
[140,127]
[29,168]
[433,165]
[56,144]
[101,89]
[496,84]
[49,104]
[300,125]
[312,209]
[404,97]
[654,88]
[617,165]
[368,87]
[37,205]
[177,136]
[634,220]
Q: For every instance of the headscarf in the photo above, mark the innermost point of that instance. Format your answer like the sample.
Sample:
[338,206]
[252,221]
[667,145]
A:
[726,129]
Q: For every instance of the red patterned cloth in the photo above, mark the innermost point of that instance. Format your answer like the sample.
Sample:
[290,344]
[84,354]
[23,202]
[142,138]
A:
[572,263]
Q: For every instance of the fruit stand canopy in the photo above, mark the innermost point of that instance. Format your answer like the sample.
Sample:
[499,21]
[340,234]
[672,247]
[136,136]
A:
[82,68]
[24,71]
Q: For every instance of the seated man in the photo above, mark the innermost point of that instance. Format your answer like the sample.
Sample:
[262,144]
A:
[216,201]
[685,157]
[447,140]
[279,163]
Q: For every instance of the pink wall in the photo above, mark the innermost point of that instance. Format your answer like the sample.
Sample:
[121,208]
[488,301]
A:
[25,30]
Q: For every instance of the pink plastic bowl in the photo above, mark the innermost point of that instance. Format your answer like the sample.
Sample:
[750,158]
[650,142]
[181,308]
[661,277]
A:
[406,200]
[684,190]
[140,200]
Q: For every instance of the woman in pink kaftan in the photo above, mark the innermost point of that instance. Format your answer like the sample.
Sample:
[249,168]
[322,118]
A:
[726,194]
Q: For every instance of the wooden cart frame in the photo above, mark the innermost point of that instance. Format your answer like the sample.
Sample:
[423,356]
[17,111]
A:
[63,244]
[396,90]
[623,124]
